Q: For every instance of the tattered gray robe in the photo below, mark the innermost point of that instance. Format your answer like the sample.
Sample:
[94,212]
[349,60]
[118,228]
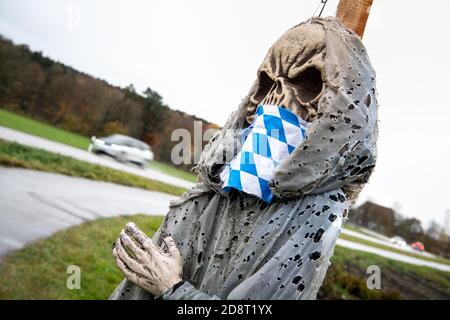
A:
[234,245]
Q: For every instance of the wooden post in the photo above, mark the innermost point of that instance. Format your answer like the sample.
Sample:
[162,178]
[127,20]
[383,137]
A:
[354,14]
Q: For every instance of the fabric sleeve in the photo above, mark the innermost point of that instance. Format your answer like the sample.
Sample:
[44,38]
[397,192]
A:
[187,292]
[296,271]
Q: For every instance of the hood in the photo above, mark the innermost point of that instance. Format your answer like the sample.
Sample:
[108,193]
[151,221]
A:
[340,148]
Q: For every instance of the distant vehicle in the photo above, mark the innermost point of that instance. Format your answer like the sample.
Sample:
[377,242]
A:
[123,149]
[418,246]
[398,241]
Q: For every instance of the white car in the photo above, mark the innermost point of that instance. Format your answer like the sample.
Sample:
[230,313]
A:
[399,241]
[122,148]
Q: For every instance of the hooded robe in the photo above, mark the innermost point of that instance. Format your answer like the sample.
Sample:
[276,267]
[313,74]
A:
[236,246]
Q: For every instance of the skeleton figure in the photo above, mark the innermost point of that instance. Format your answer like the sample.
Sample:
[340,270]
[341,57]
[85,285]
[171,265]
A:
[230,245]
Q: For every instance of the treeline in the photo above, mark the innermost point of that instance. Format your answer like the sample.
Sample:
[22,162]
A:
[42,88]
[390,223]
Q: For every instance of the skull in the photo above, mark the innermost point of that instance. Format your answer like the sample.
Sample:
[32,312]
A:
[291,73]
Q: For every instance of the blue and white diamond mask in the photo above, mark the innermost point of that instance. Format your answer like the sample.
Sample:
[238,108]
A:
[273,135]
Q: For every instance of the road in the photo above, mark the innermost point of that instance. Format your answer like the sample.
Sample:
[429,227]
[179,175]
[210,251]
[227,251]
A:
[55,202]
[392,255]
[385,241]
[56,147]
[36,204]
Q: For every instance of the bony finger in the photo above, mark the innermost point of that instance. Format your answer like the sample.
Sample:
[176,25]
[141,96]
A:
[141,238]
[132,230]
[128,243]
[136,278]
[114,252]
[130,275]
[130,226]
[122,253]
[172,247]
[130,262]
[114,248]
[120,265]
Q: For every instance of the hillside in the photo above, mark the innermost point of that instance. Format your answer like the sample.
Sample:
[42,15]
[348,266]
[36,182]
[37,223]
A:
[391,223]
[42,88]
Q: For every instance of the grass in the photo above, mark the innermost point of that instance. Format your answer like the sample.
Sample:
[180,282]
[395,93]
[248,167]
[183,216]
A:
[353,228]
[346,278]
[38,271]
[17,155]
[392,249]
[25,124]
[341,283]
[167,169]
[361,230]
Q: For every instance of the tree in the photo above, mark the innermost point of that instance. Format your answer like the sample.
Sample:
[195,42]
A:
[113,127]
[40,87]
[435,230]
[155,112]
[447,222]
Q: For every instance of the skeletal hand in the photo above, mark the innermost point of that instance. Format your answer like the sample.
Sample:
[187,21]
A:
[144,263]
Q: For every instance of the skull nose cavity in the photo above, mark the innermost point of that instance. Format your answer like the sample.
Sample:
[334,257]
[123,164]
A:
[279,87]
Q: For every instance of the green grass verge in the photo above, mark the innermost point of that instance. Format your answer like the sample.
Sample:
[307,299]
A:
[392,249]
[361,230]
[17,155]
[353,228]
[38,271]
[165,168]
[347,276]
[24,124]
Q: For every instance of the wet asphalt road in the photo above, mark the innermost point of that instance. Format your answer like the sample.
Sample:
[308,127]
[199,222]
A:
[56,147]
[36,204]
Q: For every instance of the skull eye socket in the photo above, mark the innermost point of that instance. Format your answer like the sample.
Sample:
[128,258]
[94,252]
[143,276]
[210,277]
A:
[308,84]
[264,86]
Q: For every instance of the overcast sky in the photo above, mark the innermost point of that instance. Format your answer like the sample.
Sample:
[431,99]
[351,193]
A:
[202,57]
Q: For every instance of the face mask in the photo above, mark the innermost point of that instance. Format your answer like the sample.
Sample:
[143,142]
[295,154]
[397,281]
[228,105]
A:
[273,135]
